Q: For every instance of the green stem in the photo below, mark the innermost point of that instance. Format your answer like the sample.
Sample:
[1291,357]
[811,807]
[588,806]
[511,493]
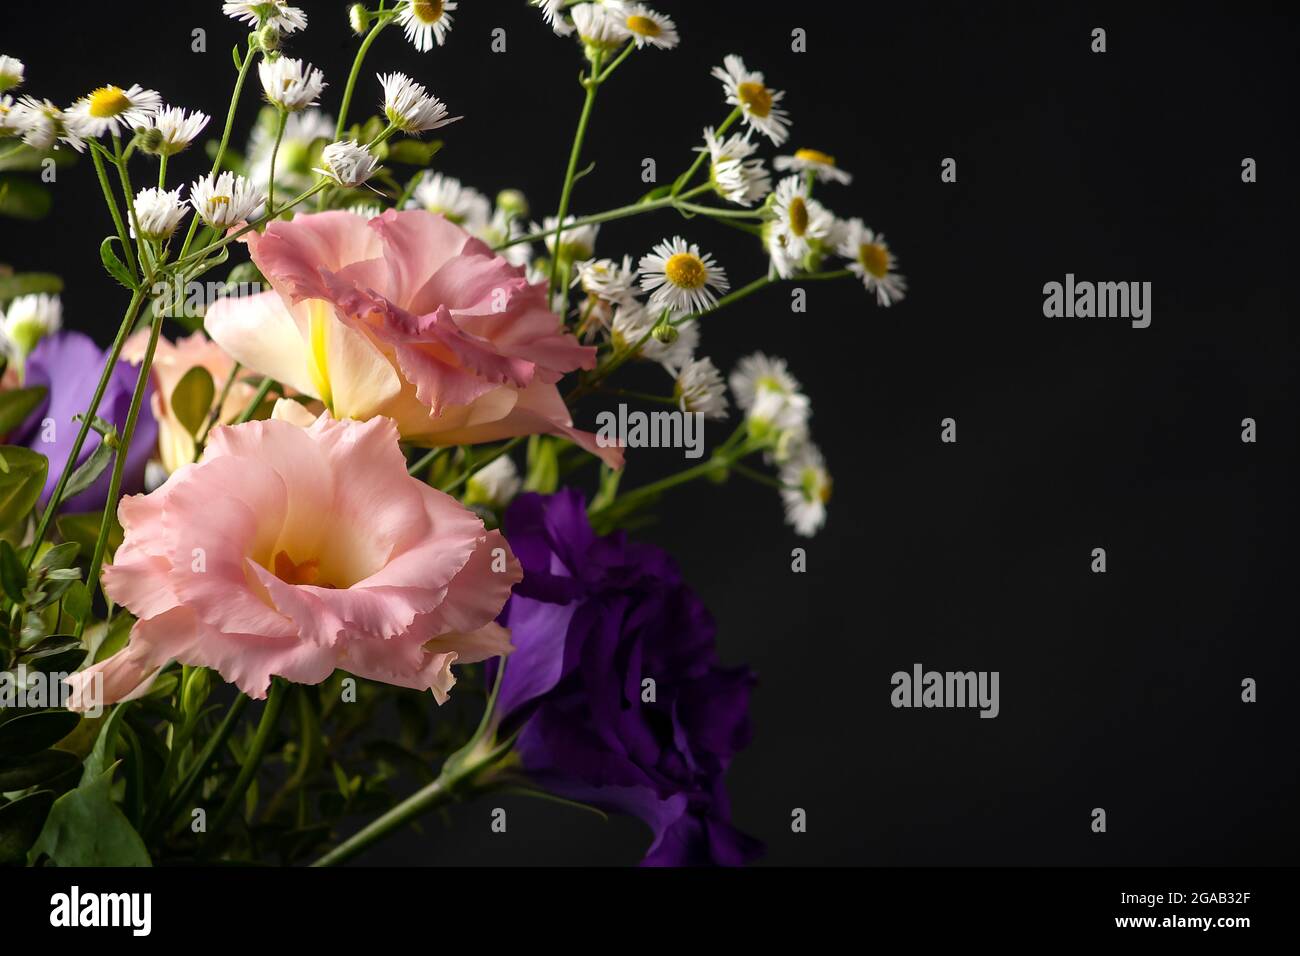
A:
[728,299]
[379,24]
[255,401]
[215,415]
[480,465]
[162,171]
[279,136]
[266,727]
[122,235]
[425,460]
[687,176]
[119,460]
[129,192]
[622,212]
[435,794]
[74,453]
[575,153]
[195,775]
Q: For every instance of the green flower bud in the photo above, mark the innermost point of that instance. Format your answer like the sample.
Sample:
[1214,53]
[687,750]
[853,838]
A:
[513,203]
[268,38]
[194,692]
[665,333]
[359,18]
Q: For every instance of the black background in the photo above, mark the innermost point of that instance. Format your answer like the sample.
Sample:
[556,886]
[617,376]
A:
[1119,690]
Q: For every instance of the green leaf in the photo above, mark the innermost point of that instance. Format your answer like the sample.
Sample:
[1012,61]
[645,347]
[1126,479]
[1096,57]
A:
[86,828]
[13,577]
[543,465]
[28,283]
[23,477]
[58,557]
[83,529]
[76,602]
[34,732]
[115,266]
[20,198]
[23,772]
[191,399]
[89,471]
[16,405]
[20,825]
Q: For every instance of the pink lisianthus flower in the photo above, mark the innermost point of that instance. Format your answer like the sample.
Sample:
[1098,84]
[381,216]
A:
[289,551]
[171,362]
[406,315]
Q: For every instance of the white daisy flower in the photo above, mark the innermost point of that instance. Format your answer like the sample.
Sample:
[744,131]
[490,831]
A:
[110,107]
[679,277]
[801,217]
[409,106]
[576,243]
[461,204]
[501,228]
[553,14]
[649,28]
[599,26]
[225,199]
[159,212]
[872,262]
[758,104]
[494,485]
[272,13]
[734,174]
[607,280]
[813,161]
[10,117]
[807,491]
[11,73]
[29,319]
[425,21]
[293,162]
[289,84]
[757,373]
[633,322]
[42,124]
[699,388]
[176,128]
[348,163]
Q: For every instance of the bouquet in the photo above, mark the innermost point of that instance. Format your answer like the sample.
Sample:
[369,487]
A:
[361,450]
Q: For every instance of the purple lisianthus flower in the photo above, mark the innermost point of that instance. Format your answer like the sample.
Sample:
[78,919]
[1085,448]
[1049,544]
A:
[69,364]
[592,619]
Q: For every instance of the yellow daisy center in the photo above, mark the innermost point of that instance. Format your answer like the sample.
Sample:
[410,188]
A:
[816,487]
[814,156]
[427,11]
[643,26]
[874,258]
[108,101]
[798,216]
[755,97]
[686,271]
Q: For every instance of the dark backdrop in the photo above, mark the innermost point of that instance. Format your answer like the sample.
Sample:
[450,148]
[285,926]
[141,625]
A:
[1119,690]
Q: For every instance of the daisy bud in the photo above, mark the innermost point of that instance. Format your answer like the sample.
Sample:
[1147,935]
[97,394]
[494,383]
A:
[11,73]
[513,203]
[359,18]
[348,163]
[28,320]
[665,333]
[268,38]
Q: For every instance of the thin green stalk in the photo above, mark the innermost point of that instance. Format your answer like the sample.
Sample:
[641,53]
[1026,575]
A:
[255,402]
[279,136]
[215,415]
[162,171]
[480,465]
[622,212]
[266,727]
[43,526]
[380,22]
[197,769]
[685,178]
[119,460]
[575,153]
[122,235]
[425,460]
